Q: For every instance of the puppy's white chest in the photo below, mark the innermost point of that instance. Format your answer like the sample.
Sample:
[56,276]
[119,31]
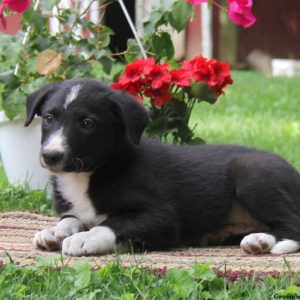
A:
[74,187]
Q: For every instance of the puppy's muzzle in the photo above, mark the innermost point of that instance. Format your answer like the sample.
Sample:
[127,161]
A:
[52,158]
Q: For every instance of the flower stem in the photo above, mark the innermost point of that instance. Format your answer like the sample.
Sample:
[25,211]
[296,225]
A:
[86,9]
[191,105]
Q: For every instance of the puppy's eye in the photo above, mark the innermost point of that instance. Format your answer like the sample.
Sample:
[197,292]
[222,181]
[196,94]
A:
[48,119]
[88,124]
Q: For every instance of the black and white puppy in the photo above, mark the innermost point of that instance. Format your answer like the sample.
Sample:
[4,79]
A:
[113,188]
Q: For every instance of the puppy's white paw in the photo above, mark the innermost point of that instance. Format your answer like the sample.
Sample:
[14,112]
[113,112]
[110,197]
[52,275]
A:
[67,227]
[285,246]
[98,240]
[50,239]
[257,243]
[46,240]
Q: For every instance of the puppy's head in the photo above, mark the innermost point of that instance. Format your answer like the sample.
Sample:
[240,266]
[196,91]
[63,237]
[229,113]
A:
[84,124]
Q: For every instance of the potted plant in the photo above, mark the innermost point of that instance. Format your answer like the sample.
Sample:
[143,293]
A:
[36,57]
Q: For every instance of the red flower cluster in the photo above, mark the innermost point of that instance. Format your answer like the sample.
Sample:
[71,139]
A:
[144,77]
[14,5]
[212,72]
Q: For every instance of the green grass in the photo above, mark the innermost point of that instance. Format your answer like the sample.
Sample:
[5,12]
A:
[116,282]
[257,111]
[13,197]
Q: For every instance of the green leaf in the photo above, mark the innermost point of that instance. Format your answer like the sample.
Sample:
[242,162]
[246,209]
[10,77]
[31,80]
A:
[42,43]
[216,288]
[9,50]
[162,45]
[106,64]
[164,5]
[48,5]
[181,13]
[153,21]
[104,37]
[38,20]
[132,50]
[83,279]
[202,92]
[176,110]
[14,104]
[158,126]
[27,15]
[202,271]
[181,282]
[34,85]
[4,77]
[99,53]
[2,85]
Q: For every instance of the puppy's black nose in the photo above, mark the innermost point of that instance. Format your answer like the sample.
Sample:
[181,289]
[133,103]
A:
[52,158]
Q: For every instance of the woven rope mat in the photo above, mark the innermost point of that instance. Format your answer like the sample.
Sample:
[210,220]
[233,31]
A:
[17,229]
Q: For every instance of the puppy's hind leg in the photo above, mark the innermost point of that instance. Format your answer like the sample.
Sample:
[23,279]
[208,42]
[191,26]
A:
[272,196]
[283,235]
[283,222]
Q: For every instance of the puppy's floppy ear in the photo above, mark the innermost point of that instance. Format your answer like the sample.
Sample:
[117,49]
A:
[36,99]
[133,115]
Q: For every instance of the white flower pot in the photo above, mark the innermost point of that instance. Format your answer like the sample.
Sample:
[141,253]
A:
[19,149]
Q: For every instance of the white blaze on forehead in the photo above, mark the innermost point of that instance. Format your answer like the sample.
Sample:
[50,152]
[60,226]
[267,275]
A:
[72,95]
[56,142]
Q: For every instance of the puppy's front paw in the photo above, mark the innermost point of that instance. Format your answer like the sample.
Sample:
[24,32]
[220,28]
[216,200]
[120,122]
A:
[257,243]
[98,240]
[46,240]
[67,227]
[50,239]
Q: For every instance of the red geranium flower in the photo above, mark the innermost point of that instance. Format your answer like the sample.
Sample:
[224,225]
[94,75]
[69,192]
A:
[197,68]
[148,64]
[180,77]
[135,70]
[220,76]
[133,89]
[17,5]
[159,75]
[240,13]
[159,96]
